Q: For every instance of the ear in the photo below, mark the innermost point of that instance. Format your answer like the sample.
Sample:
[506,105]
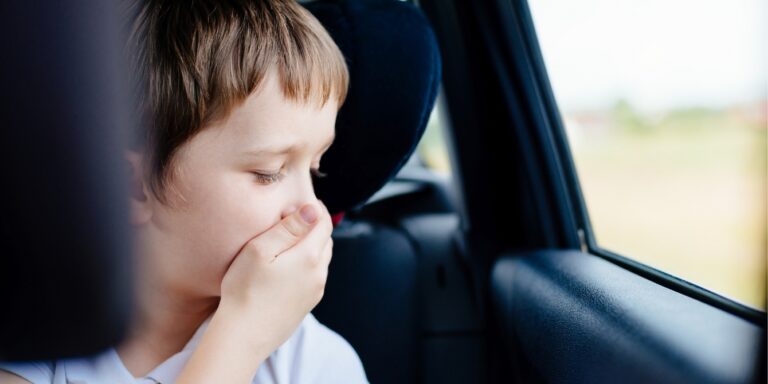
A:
[141,208]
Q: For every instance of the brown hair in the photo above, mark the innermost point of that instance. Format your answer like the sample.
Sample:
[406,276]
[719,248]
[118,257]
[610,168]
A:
[193,61]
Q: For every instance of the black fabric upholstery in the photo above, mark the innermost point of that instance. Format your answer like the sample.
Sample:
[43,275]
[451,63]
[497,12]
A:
[371,299]
[395,71]
[398,289]
[372,296]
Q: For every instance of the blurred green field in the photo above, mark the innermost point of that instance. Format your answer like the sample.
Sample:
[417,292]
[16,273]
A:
[682,191]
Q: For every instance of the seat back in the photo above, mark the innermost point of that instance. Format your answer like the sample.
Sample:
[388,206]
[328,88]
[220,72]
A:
[375,288]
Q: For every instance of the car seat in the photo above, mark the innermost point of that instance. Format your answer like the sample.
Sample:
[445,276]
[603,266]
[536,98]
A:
[397,289]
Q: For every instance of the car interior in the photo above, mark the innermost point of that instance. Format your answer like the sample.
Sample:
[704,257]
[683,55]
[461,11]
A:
[492,275]
[489,278]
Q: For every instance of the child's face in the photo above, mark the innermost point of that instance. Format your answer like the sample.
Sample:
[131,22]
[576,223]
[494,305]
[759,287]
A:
[225,204]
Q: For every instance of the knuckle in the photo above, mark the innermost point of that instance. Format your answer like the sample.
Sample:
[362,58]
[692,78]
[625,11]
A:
[292,228]
[320,291]
[327,230]
[314,259]
[254,248]
[328,254]
[321,279]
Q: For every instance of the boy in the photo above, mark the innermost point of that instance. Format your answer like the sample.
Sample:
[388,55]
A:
[232,244]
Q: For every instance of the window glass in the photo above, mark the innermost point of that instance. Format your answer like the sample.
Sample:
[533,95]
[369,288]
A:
[664,104]
[432,149]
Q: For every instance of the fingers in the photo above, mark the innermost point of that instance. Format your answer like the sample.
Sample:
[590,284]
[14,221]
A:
[286,233]
[315,241]
[325,258]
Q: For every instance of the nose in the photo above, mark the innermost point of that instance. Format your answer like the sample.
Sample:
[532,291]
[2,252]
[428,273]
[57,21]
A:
[302,192]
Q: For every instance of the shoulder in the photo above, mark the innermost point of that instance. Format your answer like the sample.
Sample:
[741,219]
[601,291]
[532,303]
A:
[336,349]
[102,367]
[324,356]
[34,371]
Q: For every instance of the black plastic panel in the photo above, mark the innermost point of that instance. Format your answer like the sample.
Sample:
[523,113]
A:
[568,316]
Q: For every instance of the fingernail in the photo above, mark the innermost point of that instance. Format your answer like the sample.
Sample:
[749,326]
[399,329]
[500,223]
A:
[308,213]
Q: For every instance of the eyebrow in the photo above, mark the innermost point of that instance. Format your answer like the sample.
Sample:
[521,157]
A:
[279,151]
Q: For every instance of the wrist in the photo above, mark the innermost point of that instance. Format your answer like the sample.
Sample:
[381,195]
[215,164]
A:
[238,322]
[231,350]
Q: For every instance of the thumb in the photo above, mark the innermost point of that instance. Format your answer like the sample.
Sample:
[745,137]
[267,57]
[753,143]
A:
[286,233]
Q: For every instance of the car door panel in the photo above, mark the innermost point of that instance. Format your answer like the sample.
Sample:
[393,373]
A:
[576,317]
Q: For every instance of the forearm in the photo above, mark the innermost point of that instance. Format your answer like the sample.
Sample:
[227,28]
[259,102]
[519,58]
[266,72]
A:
[227,353]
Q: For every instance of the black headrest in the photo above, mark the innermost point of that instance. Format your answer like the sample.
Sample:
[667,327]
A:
[395,72]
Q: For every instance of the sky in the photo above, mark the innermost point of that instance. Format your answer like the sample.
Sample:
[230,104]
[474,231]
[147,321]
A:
[657,54]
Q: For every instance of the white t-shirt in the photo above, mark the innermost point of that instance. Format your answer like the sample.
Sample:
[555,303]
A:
[313,354]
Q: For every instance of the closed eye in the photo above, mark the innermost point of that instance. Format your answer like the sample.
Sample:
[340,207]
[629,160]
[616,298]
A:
[269,178]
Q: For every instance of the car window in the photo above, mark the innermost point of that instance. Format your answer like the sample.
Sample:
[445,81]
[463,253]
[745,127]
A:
[664,106]
[432,149]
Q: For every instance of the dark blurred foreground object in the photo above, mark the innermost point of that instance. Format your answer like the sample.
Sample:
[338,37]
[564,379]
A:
[65,258]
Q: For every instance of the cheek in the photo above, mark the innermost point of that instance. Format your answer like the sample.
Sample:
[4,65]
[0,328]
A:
[233,215]
[221,213]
